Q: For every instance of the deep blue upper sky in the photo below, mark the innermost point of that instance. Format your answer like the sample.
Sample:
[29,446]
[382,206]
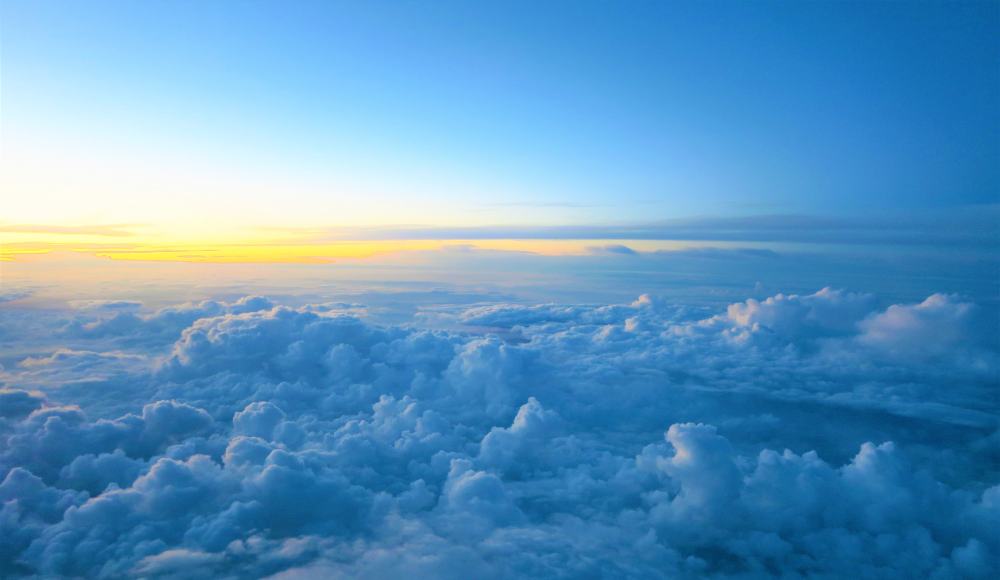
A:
[535,113]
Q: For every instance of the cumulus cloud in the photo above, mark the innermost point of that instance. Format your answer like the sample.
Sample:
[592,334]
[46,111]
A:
[827,312]
[16,404]
[507,316]
[165,324]
[820,436]
[930,330]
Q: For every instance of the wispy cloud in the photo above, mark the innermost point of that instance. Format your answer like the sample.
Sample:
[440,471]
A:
[972,229]
[569,204]
[110,230]
[968,227]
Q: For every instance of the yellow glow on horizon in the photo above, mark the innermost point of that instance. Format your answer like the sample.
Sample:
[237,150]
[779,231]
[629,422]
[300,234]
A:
[273,248]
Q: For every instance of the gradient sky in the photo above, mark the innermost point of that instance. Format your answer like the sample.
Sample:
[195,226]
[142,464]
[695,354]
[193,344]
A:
[193,122]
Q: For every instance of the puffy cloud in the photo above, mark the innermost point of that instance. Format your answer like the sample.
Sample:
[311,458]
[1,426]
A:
[524,447]
[94,473]
[165,324]
[51,438]
[29,508]
[506,316]
[827,312]
[16,404]
[935,328]
[798,436]
[258,420]
[709,481]
[475,501]
[281,342]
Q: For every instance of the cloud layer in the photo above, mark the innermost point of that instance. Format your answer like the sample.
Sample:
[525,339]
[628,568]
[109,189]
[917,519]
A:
[970,227]
[818,436]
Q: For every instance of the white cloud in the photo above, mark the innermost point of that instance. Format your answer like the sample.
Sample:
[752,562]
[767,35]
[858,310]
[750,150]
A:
[797,436]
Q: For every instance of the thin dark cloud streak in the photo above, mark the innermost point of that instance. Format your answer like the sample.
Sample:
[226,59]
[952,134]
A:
[567,204]
[968,228]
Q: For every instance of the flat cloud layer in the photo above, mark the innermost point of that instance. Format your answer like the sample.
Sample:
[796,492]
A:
[967,227]
[817,436]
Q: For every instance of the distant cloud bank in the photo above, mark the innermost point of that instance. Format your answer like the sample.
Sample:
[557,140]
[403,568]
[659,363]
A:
[968,227]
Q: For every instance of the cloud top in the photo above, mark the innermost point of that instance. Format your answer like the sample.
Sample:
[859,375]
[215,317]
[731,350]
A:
[641,440]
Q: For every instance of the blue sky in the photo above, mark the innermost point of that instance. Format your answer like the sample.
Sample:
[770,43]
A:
[335,114]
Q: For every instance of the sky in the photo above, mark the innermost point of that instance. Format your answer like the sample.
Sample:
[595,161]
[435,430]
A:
[175,125]
[610,290]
